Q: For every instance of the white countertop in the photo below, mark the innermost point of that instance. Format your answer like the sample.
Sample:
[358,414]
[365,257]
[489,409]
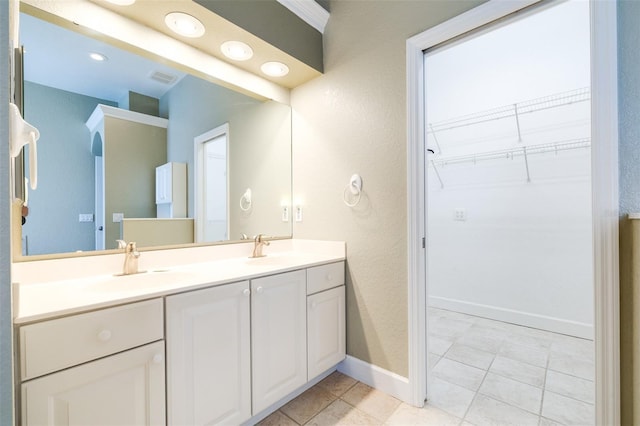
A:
[56,294]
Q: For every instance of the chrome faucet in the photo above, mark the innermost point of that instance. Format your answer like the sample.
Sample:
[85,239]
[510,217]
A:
[259,241]
[131,255]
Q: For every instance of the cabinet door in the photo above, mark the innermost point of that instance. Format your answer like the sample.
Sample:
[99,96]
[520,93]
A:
[208,356]
[325,330]
[163,183]
[124,389]
[278,336]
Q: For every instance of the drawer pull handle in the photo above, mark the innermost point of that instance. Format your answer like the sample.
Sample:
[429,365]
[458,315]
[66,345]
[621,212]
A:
[246,292]
[157,358]
[259,290]
[104,335]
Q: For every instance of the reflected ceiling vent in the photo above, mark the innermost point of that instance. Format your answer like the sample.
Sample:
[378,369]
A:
[163,77]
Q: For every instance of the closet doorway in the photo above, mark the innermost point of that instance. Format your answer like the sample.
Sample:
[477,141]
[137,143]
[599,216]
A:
[515,202]
[509,255]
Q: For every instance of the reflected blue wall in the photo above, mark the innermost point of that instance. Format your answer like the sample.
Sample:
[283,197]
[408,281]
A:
[66,176]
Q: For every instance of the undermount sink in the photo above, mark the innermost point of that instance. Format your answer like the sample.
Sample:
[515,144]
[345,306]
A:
[269,260]
[143,279]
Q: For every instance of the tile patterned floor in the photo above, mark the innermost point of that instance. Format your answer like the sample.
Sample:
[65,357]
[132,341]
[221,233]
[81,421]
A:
[483,372]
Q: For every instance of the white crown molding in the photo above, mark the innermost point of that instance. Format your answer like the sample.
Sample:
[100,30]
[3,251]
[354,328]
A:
[309,11]
[102,111]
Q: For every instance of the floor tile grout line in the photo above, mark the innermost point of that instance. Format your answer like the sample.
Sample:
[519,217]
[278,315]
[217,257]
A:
[546,346]
[299,424]
[477,392]
[570,397]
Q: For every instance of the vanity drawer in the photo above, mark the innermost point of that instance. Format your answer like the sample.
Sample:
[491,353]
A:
[56,344]
[324,277]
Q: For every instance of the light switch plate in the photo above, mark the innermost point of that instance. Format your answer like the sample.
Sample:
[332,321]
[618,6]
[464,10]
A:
[117,217]
[85,217]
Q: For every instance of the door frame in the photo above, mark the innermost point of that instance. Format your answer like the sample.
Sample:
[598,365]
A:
[604,182]
[198,173]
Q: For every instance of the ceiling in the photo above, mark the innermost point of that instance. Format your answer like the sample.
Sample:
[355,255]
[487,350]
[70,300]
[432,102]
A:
[59,58]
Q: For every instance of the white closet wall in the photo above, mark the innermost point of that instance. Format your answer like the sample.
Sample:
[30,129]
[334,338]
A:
[509,204]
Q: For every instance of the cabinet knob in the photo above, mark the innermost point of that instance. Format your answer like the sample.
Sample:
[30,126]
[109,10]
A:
[329,277]
[246,292]
[314,305]
[104,335]
[259,290]
[157,358]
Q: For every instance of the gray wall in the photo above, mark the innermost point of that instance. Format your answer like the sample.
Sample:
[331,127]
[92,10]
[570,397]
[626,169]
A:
[259,152]
[6,368]
[260,159]
[195,106]
[353,120]
[629,163]
[131,152]
[65,171]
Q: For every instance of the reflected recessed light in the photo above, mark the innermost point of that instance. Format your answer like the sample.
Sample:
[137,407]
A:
[184,24]
[122,2]
[275,69]
[98,57]
[237,50]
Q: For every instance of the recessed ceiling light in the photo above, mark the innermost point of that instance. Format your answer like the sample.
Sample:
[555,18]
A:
[275,69]
[122,2]
[98,57]
[184,24]
[236,50]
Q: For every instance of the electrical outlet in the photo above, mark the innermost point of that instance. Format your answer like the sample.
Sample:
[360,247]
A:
[117,217]
[460,214]
[285,213]
[298,213]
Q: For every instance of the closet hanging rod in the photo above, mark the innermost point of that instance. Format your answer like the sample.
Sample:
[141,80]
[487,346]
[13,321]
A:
[514,152]
[507,111]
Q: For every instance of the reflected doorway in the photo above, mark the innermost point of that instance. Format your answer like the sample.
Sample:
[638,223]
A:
[211,152]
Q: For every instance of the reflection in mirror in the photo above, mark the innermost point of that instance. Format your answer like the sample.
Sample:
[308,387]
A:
[109,129]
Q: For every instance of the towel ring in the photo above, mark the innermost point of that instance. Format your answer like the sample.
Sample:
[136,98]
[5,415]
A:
[355,188]
[245,200]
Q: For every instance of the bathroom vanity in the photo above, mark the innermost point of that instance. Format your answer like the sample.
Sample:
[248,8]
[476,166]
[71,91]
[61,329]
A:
[224,341]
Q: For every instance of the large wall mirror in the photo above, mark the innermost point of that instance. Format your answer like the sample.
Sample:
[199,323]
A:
[102,178]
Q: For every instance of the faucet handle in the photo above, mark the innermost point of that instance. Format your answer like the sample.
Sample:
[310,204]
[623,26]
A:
[121,244]
[262,238]
[133,249]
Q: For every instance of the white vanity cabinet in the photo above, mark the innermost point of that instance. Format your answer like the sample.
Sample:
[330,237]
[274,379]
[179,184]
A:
[326,342]
[278,337]
[234,351]
[208,356]
[95,368]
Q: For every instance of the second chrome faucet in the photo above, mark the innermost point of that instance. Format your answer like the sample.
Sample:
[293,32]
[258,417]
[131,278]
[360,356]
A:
[259,241]
[131,255]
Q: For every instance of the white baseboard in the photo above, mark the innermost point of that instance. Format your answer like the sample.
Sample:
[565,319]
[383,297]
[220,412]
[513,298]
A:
[376,377]
[557,325]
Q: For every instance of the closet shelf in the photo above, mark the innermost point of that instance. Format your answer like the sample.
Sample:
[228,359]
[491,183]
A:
[518,151]
[510,154]
[513,110]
